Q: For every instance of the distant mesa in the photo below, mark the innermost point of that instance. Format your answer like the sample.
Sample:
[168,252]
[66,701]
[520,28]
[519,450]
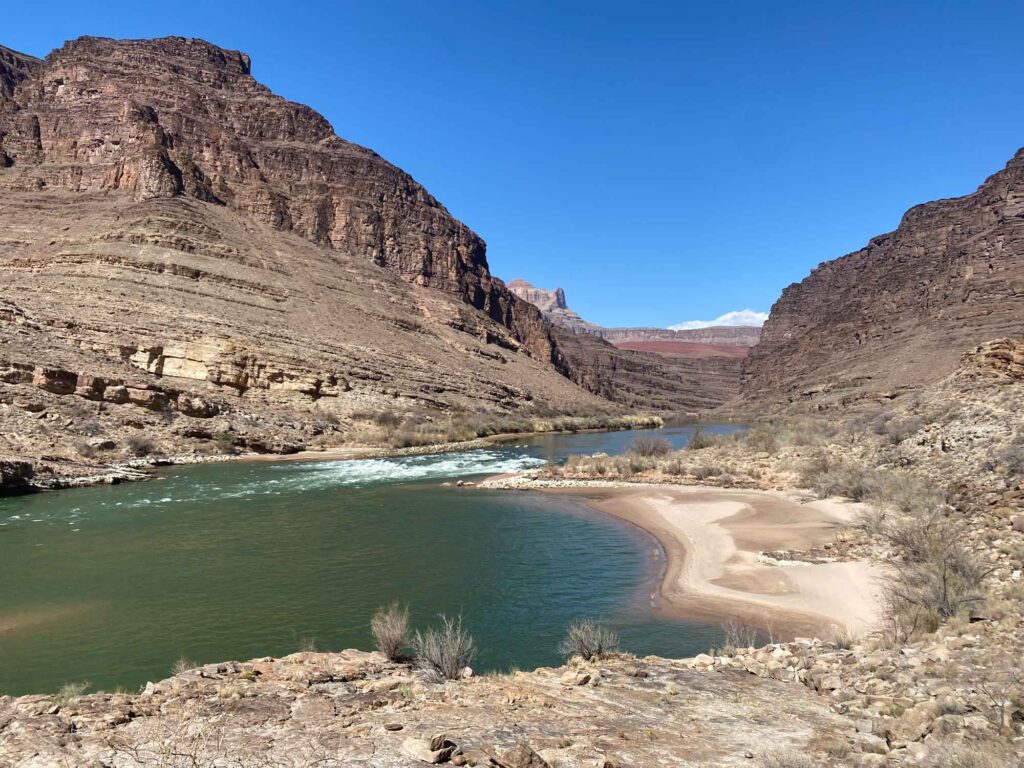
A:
[742,317]
[552,305]
[731,335]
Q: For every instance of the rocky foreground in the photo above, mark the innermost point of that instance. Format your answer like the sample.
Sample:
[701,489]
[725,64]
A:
[357,709]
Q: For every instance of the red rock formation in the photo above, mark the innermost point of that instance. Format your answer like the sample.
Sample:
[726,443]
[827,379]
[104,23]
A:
[685,348]
[900,312]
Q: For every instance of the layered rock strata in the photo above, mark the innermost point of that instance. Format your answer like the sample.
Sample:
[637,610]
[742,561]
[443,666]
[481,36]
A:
[901,311]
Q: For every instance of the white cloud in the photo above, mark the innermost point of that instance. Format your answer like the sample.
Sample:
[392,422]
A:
[739,317]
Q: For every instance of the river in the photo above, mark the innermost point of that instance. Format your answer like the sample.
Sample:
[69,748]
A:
[113,584]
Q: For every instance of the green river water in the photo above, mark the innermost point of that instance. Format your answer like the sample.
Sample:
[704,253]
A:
[113,584]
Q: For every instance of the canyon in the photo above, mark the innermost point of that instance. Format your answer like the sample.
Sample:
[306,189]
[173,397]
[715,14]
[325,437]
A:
[194,265]
[190,258]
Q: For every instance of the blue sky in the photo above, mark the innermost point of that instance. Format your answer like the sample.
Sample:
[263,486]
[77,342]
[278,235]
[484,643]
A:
[662,162]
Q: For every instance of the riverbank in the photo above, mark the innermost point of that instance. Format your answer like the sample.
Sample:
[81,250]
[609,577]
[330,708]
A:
[68,475]
[715,542]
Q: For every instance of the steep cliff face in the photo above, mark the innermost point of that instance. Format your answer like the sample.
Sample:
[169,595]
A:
[900,312]
[176,117]
[190,259]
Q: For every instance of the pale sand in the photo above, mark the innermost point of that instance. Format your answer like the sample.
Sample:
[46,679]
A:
[712,538]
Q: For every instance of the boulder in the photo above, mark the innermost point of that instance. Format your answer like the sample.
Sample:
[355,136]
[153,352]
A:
[15,476]
[520,756]
[434,751]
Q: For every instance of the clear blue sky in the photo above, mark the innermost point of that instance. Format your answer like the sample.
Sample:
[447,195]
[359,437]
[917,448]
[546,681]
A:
[660,161]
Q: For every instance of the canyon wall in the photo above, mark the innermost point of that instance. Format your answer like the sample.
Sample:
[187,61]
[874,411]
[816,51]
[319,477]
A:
[900,312]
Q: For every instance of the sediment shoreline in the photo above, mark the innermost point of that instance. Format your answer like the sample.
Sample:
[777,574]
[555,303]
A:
[714,539]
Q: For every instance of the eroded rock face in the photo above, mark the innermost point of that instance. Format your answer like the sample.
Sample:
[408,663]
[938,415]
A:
[178,117]
[146,174]
[900,312]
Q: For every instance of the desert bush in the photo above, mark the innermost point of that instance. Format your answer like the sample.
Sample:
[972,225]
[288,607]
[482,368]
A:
[675,467]
[1000,680]
[182,665]
[83,449]
[140,445]
[737,636]
[853,480]
[899,429]
[763,438]
[650,446]
[785,758]
[937,580]
[841,637]
[1011,457]
[70,691]
[390,628]
[444,652]
[588,639]
[637,463]
[387,418]
[700,440]
[708,470]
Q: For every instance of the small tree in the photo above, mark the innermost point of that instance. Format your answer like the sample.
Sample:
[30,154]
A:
[588,639]
[444,652]
[390,627]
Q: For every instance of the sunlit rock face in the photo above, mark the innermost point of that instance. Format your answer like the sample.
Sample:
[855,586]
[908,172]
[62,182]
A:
[900,312]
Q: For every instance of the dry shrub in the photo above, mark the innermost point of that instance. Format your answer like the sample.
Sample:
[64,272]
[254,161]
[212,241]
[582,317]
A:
[444,652]
[1010,458]
[390,628]
[700,440]
[70,691]
[737,636]
[762,438]
[650,446]
[588,639]
[708,470]
[140,445]
[83,449]
[937,579]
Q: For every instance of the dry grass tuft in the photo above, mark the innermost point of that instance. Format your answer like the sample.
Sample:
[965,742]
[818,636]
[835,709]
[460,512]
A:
[390,628]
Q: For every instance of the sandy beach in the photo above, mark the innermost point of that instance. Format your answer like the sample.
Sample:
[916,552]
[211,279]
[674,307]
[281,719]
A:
[712,539]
